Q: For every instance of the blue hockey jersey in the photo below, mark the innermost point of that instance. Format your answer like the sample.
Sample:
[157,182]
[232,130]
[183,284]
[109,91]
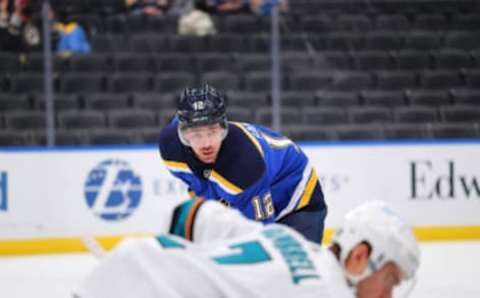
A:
[258,171]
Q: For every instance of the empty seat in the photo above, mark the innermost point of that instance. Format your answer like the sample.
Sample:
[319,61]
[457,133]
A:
[368,60]
[105,101]
[427,97]
[241,23]
[440,79]
[173,82]
[460,113]
[293,42]
[332,60]
[325,116]
[343,41]
[443,130]
[470,22]
[81,119]
[62,101]
[295,61]
[149,43]
[473,78]
[106,43]
[229,43]
[247,99]
[297,98]
[137,23]
[430,22]
[82,83]
[130,82]
[418,40]
[188,43]
[91,63]
[206,62]
[23,120]
[116,24]
[154,101]
[254,62]
[150,135]
[310,80]
[355,23]
[396,80]
[384,41]
[415,114]
[383,98]
[351,81]
[169,62]
[370,114]
[358,132]
[9,63]
[163,23]
[392,22]
[133,63]
[336,98]
[305,132]
[35,63]
[462,40]
[61,137]
[27,83]
[131,118]
[263,116]
[466,96]
[10,102]
[71,137]
[240,114]
[111,137]
[258,43]
[403,131]
[222,80]
[13,138]
[258,81]
[412,59]
[316,23]
[452,59]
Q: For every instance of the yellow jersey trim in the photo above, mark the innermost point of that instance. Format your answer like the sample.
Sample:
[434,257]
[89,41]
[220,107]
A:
[177,166]
[224,183]
[307,194]
[250,137]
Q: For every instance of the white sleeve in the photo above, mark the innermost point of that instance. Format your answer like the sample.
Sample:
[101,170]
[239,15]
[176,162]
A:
[215,221]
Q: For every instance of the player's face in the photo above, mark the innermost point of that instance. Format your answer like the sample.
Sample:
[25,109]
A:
[205,141]
[381,283]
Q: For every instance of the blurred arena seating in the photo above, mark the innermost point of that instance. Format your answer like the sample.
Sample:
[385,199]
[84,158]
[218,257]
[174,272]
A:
[379,70]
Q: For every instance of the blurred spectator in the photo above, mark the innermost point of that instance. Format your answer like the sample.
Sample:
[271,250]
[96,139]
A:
[72,38]
[259,7]
[264,7]
[148,7]
[180,7]
[17,33]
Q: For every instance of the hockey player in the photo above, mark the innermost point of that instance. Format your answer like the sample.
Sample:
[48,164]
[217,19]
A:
[231,256]
[251,168]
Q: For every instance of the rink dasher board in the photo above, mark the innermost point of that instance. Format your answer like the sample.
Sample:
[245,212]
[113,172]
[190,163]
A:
[51,197]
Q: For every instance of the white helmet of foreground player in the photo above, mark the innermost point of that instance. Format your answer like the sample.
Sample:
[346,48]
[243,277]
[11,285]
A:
[389,239]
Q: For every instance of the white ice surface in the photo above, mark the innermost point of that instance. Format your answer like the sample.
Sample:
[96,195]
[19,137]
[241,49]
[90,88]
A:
[447,270]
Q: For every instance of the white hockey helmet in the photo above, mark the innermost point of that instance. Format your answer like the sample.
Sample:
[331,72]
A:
[390,238]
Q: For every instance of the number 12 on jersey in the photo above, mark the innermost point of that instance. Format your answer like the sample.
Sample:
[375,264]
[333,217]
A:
[263,207]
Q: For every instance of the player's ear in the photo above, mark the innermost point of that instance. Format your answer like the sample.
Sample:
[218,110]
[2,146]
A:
[357,260]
